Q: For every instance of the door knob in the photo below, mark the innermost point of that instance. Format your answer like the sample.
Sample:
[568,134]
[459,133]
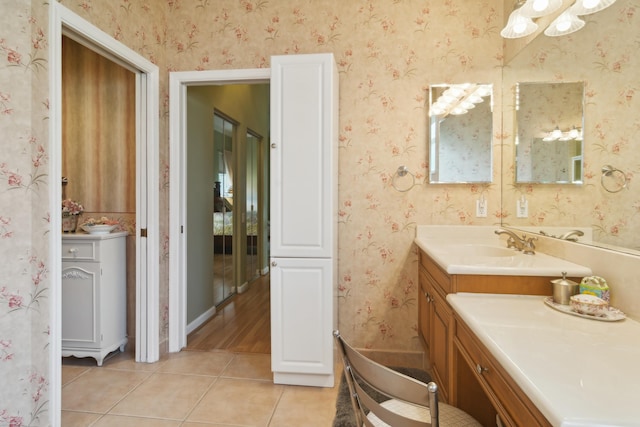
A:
[274,264]
[273,145]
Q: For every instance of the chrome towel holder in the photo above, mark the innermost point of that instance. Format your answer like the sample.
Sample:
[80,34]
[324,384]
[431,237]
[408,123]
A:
[608,171]
[399,175]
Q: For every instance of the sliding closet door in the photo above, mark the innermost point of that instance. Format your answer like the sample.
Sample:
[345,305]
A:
[252,184]
[223,141]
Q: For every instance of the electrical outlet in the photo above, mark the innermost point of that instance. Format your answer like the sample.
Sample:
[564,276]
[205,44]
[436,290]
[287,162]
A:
[522,208]
[481,208]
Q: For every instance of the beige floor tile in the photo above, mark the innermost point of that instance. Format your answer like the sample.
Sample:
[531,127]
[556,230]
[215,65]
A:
[99,389]
[196,362]
[70,373]
[250,366]
[238,402]
[165,395]
[305,406]
[78,419]
[122,421]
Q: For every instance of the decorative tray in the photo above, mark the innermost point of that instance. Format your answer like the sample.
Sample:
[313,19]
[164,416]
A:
[610,315]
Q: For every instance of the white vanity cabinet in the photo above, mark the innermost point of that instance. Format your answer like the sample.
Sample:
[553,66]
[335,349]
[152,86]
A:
[94,295]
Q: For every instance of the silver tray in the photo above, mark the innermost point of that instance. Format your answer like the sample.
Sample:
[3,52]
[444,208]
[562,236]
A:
[610,315]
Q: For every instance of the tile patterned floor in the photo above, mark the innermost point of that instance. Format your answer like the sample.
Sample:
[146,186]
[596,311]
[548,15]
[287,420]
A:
[188,389]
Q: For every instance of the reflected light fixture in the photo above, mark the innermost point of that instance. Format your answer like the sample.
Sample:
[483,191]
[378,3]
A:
[558,135]
[459,99]
[567,23]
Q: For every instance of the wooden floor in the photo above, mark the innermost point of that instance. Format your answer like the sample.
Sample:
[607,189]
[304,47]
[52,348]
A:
[242,324]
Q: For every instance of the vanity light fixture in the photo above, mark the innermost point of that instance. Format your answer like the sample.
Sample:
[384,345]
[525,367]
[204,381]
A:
[518,26]
[521,24]
[539,8]
[567,23]
[587,7]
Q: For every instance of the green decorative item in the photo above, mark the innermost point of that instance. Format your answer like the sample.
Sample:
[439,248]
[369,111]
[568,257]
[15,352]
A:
[595,285]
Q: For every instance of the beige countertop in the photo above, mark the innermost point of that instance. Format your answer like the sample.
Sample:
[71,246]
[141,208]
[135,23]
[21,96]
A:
[578,372]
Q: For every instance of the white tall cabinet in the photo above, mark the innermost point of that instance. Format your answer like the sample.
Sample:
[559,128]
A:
[304,192]
[94,294]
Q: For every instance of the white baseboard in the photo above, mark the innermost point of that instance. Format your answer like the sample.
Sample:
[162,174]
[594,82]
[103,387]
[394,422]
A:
[243,288]
[200,320]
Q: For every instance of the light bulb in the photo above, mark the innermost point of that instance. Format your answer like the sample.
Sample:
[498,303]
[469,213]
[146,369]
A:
[520,25]
[590,4]
[540,5]
[563,24]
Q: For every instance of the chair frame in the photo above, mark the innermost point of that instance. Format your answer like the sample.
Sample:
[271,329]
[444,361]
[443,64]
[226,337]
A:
[358,368]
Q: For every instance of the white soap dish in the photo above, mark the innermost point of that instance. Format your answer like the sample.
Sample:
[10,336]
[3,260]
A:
[610,315]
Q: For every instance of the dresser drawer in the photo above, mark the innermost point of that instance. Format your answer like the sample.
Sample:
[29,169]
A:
[79,250]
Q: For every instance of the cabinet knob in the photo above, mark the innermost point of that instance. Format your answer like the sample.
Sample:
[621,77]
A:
[73,250]
[274,264]
[273,145]
[481,369]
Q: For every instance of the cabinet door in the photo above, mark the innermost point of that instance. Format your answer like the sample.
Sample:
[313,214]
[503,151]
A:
[441,343]
[302,321]
[424,308]
[303,155]
[80,304]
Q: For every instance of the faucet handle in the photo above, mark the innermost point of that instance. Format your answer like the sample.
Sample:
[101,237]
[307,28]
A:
[511,243]
[528,246]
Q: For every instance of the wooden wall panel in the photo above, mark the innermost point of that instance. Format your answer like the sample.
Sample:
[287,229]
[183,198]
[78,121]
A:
[98,130]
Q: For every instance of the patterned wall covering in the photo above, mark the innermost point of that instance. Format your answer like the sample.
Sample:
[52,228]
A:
[388,53]
[604,54]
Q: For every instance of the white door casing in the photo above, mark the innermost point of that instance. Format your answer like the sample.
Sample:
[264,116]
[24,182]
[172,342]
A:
[178,82]
[62,20]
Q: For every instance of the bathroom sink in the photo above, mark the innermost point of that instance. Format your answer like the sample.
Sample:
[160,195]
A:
[479,250]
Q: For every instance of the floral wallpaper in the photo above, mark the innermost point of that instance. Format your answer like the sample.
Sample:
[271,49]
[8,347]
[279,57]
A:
[388,53]
[603,55]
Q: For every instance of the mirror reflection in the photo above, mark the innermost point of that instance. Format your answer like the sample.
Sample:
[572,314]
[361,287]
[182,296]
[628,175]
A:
[607,203]
[460,133]
[549,122]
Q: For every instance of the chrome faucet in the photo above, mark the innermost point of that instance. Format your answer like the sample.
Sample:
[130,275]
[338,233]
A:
[524,243]
[571,235]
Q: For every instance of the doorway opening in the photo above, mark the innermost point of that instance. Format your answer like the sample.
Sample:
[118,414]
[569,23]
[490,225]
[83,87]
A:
[63,21]
[239,206]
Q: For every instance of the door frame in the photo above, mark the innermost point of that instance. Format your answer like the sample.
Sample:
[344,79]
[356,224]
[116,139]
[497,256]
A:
[178,83]
[63,21]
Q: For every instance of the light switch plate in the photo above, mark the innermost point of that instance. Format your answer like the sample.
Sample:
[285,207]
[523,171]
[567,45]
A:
[481,208]
[522,209]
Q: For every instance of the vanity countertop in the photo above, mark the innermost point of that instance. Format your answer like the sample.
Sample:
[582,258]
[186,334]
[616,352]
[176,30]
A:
[578,372]
[452,248]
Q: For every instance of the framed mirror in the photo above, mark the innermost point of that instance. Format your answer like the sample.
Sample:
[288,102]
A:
[460,133]
[548,139]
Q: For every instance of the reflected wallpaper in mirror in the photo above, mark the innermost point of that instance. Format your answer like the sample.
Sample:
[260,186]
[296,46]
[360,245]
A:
[460,133]
[608,66]
[549,122]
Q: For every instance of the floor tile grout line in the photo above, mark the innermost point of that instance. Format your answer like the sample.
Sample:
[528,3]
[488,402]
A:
[275,407]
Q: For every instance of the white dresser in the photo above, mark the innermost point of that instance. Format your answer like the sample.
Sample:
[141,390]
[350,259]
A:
[94,294]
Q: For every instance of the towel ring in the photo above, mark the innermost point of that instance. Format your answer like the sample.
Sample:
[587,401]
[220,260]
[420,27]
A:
[608,171]
[398,175]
